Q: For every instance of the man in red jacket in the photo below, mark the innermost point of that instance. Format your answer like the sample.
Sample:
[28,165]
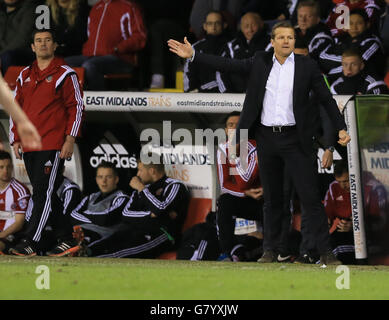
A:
[115,33]
[49,93]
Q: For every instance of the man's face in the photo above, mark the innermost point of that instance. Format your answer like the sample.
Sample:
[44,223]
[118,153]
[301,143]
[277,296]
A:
[231,125]
[213,25]
[5,170]
[249,25]
[283,42]
[44,45]
[144,173]
[343,181]
[106,180]
[357,25]
[307,18]
[352,66]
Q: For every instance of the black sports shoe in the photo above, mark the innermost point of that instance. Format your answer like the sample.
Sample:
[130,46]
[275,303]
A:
[329,259]
[268,257]
[64,248]
[304,259]
[23,249]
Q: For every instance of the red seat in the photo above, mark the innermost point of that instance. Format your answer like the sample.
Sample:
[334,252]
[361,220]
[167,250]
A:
[387,79]
[197,213]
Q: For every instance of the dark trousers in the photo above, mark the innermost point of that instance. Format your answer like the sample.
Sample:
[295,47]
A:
[132,241]
[229,208]
[44,168]
[278,151]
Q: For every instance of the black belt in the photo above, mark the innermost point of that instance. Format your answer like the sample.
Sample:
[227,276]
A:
[279,129]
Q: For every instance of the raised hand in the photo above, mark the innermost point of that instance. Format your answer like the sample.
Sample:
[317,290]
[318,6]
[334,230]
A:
[183,50]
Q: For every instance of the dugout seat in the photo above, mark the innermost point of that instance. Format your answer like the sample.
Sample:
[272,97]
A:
[197,212]
[13,72]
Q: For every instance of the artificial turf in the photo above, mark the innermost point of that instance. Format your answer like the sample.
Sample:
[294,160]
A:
[91,278]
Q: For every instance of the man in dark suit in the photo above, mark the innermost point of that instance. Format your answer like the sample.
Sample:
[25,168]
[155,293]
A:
[277,110]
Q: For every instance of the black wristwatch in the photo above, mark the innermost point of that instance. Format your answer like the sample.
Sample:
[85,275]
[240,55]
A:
[331,148]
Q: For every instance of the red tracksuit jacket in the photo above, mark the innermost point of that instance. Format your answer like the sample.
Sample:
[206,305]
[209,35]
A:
[115,23]
[52,100]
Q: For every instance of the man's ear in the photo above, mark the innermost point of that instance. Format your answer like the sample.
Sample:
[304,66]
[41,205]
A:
[225,25]
[362,65]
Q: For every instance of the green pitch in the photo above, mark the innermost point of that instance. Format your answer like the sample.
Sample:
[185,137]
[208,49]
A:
[90,278]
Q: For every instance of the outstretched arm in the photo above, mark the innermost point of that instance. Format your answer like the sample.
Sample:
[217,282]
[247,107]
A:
[185,50]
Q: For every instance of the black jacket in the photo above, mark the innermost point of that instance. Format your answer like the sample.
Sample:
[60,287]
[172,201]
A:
[361,83]
[307,78]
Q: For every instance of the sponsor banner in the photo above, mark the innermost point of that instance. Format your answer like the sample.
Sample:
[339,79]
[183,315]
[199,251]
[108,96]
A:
[243,226]
[355,185]
[162,102]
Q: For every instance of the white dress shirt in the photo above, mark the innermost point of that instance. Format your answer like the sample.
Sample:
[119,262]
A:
[278,101]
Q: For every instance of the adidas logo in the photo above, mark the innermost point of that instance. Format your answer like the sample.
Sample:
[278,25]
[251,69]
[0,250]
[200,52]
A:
[48,164]
[112,152]
[340,198]
[27,80]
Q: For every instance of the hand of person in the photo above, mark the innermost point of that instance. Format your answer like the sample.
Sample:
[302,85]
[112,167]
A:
[183,50]
[344,138]
[344,225]
[18,150]
[327,159]
[67,148]
[136,184]
[29,136]
[255,193]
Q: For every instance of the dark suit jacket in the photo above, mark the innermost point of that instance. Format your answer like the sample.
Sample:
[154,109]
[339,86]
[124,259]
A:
[307,77]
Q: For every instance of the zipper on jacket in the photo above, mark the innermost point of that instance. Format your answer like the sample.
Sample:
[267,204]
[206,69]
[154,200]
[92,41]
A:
[98,28]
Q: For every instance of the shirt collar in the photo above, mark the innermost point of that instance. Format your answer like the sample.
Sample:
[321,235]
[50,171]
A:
[290,58]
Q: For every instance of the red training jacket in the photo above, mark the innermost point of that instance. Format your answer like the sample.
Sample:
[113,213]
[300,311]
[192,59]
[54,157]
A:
[115,23]
[52,100]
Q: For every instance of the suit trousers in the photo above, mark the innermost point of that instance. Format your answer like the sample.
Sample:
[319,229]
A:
[279,151]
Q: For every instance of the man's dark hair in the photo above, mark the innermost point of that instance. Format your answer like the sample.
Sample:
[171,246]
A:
[51,31]
[108,165]
[5,155]
[158,165]
[312,4]
[231,114]
[216,12]
[340,168]
[301,43]
[361,12]
[282,24]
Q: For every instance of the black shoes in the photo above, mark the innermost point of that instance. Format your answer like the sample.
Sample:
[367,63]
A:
[304,259]
[65,248]
[329,259]
[23,249]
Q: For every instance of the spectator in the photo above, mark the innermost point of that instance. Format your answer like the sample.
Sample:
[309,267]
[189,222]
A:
[311,31]
[372,8]
[152,219]
[358,36]
[354,79]
[337,204]
[164,18]
[99,214]
[54,105]
[230,10]
[14,197]
[241,192]
[69,19]
[200,78]
[252,37]
[16,25]
[325,7]
[115,34]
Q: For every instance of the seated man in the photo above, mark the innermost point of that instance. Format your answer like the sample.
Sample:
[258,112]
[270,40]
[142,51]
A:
[14,197]
[354,79]
[358,36]
[337,204]
[241,193]
[251,38]
[151,221]
[198,77]
[100,213]
[115,34]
